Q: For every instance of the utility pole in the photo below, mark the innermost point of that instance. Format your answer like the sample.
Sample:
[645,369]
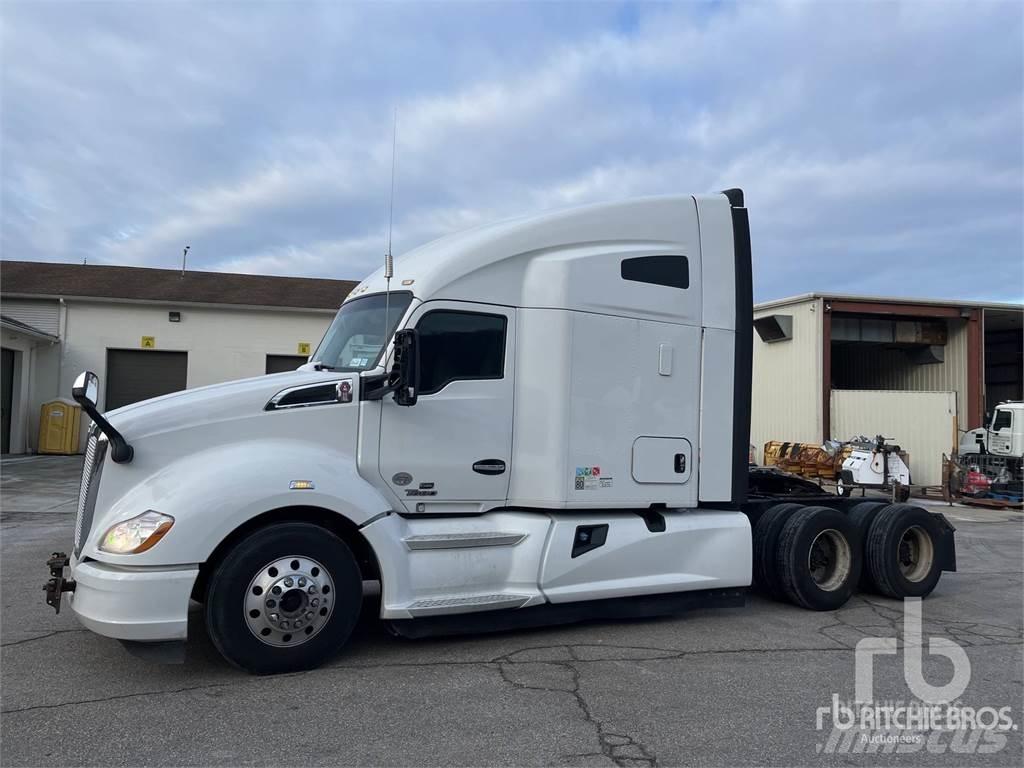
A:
[184,256]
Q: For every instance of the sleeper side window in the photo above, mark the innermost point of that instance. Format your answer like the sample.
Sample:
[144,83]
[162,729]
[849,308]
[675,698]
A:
[459,345]
[670,271]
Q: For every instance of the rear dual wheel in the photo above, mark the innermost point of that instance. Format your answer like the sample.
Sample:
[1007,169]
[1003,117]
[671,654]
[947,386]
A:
[765,548]
[818,560]
[901,550]
[809,556]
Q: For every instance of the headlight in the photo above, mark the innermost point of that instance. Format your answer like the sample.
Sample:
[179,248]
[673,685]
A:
[137,534]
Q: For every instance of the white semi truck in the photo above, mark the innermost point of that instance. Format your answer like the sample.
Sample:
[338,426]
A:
[538,421]
[998,450]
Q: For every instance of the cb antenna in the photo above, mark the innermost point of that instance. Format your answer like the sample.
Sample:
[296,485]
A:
[389,261]
[389,264]
[184,257]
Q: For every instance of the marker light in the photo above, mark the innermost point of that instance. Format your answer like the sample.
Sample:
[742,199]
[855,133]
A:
[137,534]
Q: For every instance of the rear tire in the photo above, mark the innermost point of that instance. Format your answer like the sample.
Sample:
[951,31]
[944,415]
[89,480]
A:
[902,552]
[765,546]
[862,516]
[819,562]
[284,599]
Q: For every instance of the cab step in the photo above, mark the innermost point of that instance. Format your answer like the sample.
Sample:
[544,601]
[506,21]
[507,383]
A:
[449,605]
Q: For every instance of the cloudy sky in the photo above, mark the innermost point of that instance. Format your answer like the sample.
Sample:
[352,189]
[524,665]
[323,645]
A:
[880,145]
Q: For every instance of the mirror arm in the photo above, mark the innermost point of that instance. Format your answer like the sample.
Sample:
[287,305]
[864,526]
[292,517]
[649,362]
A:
[375,387]
[121,452]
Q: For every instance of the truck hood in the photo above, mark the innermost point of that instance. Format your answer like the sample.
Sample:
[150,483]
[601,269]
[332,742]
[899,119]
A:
[206,405]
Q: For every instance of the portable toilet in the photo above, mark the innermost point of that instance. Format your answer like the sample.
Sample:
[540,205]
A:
[58,427]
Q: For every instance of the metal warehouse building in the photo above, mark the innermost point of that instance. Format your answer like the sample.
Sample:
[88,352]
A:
[916,371]
[145,332]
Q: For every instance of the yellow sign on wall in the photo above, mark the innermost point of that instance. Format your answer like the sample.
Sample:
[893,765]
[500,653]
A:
[149,342]
[304,348]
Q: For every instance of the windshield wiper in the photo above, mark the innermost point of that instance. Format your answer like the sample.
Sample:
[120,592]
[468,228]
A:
[318,366]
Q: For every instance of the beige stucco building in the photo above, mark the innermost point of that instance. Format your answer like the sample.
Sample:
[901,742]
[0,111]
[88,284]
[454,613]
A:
[917,371]
[146,332]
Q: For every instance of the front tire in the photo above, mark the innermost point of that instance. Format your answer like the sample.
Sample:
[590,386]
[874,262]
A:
[284,599]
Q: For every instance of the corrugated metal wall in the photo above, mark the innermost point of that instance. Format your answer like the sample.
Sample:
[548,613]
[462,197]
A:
[786,397]
[43,315]
[922,423]
[875,367]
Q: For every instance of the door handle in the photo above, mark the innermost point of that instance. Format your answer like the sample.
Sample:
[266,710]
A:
[489,466]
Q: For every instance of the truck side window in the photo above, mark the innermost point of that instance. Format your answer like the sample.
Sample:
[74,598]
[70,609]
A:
[1003,419]
[459,345]
[670,271]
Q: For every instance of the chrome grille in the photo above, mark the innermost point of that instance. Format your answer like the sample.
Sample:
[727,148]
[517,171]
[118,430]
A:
[94,452]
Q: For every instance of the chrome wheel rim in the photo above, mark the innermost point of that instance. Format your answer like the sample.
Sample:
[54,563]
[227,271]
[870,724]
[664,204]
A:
[916,553]
[829,560]
[289,601]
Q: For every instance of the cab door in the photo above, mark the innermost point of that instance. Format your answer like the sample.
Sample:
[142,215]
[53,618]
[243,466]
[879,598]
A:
[451,451]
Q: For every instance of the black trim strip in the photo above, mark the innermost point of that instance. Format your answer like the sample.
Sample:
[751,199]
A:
[744,346]
[550,614]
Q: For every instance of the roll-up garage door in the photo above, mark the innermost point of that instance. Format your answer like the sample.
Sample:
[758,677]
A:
[134,375]
[282,363]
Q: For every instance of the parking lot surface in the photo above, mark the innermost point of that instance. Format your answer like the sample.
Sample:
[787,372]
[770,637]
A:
[738,686]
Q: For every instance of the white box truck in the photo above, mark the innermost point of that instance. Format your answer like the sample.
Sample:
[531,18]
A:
[538,421]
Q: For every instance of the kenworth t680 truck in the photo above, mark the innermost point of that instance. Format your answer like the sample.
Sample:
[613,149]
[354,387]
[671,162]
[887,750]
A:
[537,421]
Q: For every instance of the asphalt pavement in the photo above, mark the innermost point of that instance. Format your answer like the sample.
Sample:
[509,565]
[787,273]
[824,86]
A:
[738,686]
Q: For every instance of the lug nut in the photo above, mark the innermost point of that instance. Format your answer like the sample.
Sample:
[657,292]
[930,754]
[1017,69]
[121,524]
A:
[274,617]
[288,582]
[315,602]
[309,614]
[312,590]
[302,582]
[271,603]
[298,625]
[276,590]
[284,625]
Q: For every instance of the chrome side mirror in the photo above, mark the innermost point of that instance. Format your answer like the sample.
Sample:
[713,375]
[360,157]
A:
[86,389]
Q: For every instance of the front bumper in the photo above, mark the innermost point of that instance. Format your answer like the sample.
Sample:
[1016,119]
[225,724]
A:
[145,604]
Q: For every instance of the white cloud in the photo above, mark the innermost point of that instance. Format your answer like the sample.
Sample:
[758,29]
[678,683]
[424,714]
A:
[260,135]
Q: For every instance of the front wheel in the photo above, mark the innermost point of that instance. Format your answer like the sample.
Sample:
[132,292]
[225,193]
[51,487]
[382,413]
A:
[285,599]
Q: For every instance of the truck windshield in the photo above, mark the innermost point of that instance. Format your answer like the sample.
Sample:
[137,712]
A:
[360,331]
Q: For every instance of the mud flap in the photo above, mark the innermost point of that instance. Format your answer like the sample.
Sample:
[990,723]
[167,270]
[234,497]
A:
[946,546]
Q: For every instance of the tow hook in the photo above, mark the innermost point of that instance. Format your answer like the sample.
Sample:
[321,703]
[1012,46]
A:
[57,584]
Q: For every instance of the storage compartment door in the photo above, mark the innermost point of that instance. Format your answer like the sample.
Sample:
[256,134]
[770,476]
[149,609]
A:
[661,460]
